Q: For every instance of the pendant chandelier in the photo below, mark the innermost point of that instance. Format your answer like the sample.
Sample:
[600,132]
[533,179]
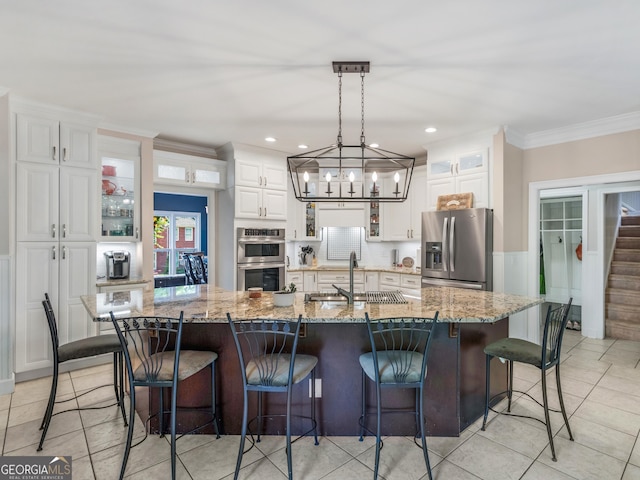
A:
[350,173]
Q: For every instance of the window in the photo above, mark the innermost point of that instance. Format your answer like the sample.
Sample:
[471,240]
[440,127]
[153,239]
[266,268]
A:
[174,233]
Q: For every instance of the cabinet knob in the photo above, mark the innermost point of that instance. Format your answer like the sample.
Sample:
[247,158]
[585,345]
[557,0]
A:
[137,233]
[65,157]
[53,230]
[64,230]
[64,253]
[265,209]
[55,153]
[53,253]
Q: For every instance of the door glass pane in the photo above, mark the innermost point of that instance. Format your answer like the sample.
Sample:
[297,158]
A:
[468,162]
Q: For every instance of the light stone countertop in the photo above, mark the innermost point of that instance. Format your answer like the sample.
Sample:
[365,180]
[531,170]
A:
[210,304]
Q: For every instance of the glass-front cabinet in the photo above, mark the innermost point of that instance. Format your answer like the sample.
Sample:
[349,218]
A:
[120,205]
[374,214]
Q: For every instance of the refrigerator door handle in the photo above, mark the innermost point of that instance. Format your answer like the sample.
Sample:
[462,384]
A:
[445,256]
[452,251]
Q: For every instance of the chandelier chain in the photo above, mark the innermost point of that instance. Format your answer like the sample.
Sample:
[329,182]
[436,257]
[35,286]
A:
[362,106]
[340,107]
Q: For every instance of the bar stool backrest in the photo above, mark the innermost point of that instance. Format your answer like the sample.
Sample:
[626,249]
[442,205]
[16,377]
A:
[266,350]
[554,327]
[401,342]
[151,349]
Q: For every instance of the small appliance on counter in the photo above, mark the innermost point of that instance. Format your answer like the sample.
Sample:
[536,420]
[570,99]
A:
[117,265]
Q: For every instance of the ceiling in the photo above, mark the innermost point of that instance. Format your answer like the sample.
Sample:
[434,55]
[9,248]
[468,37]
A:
[210,72]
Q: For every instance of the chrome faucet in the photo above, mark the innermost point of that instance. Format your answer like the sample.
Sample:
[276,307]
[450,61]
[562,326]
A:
[353,263]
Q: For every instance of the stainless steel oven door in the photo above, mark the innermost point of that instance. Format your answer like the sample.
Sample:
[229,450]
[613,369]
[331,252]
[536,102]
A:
[260,245]
[269,276]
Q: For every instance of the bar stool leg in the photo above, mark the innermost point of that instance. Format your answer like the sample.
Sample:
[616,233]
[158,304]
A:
[487,384]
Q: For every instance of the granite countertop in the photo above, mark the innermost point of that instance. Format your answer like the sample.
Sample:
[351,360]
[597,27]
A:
[209,304]
[340,268]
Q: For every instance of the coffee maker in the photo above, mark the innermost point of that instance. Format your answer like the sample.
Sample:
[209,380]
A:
[117,265]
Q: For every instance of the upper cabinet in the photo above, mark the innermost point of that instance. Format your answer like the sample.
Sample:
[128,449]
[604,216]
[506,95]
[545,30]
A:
[402,221]
[46,140]
[188,170]
[120,189]
[56,178]
[260,171]
[459,173]
[257,182]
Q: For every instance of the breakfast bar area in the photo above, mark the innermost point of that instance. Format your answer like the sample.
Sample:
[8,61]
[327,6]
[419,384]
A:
[336,333]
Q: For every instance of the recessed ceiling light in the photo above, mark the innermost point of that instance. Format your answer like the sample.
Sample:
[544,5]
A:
[302,145]
[270,139]
[374,145]
[431,129]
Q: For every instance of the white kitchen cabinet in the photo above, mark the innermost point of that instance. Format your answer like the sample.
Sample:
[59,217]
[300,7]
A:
[260,203]
[260,170]
[187,170]
[45,139]
[64,270]
[302,219]
[297,278]
[55,203]
[463,173]
[328,278]
[120,185]
[389,281]
[403,221]
[371,281]
[310,281]
[410,284]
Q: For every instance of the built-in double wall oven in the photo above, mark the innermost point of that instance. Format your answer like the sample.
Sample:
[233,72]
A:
[261,258]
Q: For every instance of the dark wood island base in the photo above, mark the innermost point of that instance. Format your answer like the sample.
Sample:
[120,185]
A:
[455,381]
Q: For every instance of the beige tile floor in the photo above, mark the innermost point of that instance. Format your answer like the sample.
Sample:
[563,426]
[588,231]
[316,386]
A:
[601,382]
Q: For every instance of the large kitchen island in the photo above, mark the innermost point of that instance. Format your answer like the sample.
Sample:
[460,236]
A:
[336,333]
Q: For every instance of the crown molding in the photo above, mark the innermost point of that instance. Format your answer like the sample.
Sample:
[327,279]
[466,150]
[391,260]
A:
[129,130]
[581,131]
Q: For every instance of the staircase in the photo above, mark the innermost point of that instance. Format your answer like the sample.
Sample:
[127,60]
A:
[623,288]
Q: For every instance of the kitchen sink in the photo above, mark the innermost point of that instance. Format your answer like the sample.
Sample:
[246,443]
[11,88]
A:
[391,296]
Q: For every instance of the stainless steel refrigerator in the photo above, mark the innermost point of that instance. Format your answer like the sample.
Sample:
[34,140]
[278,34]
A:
[457,248]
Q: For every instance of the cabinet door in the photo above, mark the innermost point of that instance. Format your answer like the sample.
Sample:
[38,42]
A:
[78,146]
[120,199]
[249,172]
[310,281]
[38,139]
[78,204]
[77,278]
[478,184]
[371,283]
[248,202]
[440,168]
[274,175]
[203,175]
[274,204]
[37,212]
[396,224]
[473,162]
[435,188]
[170,173]
[297,278]
[419,202]
[36,274]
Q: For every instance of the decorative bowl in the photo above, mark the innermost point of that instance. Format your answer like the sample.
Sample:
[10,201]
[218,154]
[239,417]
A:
[283,299]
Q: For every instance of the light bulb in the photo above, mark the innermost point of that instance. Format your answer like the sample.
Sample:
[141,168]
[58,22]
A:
[306,176]
[328,177]
[396,177]
[352,177]
[374,177]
